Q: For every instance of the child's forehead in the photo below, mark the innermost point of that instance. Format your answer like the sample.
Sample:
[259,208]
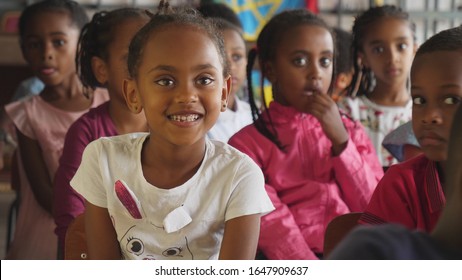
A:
[174,41]
[58,18]
[437,69]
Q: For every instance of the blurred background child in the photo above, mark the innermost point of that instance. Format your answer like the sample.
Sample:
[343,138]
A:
[384,43]
[343,63]
[102,61]
[49,31]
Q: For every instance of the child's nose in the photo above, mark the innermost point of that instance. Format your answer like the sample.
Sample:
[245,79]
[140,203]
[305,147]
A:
[433,115]
[47,52]
[186,93]
[314,72]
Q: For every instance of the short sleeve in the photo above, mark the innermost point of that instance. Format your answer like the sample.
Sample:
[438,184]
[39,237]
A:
[88,180]
[249,196]
[17,112]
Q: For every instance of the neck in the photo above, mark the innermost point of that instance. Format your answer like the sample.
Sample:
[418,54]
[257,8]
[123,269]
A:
[390,95]
[65,90]
[166,165]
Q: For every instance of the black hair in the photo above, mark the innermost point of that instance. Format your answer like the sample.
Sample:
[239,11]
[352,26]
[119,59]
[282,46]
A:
[267,44]
[219,10]
[77,13]
[95,38]
[360,29]
[222,24]
[344,57]
[166,16]
[446,40]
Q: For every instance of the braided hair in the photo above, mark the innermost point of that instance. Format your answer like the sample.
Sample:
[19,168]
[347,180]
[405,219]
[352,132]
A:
[267,45]
[167,16]
[95,38]
[360,31]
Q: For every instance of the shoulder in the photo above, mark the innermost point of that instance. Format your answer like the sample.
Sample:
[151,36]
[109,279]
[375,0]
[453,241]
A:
[412,167]
[229,157]
[119,143]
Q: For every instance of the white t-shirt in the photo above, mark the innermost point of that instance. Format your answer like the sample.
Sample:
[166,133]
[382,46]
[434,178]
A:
[378,121]
[229,122]
[186,222]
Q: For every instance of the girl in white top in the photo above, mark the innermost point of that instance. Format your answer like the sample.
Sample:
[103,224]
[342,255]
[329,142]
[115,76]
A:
[384,43]
[172,194]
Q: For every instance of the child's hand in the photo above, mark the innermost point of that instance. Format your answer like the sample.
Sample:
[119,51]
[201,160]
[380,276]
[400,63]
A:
[326,111]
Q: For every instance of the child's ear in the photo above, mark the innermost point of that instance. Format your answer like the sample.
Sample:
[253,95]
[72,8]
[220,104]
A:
[225,92]
[343,80]
[362,60]
[132,98]
[268,72]
[99,68]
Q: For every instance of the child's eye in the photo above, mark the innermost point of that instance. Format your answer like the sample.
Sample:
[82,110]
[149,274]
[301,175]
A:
[236,57]
[378,50]
[402,46]
[205,81]
[418,100]
[164,82]
[58,43]
[451,100]
[326,62]
[300,61]
[32,45]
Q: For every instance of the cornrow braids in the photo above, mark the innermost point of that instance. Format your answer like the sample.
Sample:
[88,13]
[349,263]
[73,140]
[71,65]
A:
[77,13]
[95,38]
[166,16]
[359,32]
[267,44]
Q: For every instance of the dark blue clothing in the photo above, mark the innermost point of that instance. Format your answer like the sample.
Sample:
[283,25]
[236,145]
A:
[390,242]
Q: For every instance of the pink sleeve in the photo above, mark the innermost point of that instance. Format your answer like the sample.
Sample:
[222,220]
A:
[357,169]
[279,222]
[17,112]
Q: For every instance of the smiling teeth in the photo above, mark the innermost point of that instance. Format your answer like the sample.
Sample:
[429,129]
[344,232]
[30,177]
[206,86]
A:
[184,118]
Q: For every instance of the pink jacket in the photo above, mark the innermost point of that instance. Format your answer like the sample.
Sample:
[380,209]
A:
[307,185]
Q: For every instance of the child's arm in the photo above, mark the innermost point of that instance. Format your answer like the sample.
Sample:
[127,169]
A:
[240,238]
[36,170]
[357,169]
[67,203]
[100,234]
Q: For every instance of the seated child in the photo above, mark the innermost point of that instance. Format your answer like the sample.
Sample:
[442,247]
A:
[412,193]
[172,193]
[395,242]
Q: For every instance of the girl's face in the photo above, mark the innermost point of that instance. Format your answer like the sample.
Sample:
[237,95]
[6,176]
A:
[116,65]
[49,46]
[436,89]
[302,65]
[180,85]
[237,58]
[388,49]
